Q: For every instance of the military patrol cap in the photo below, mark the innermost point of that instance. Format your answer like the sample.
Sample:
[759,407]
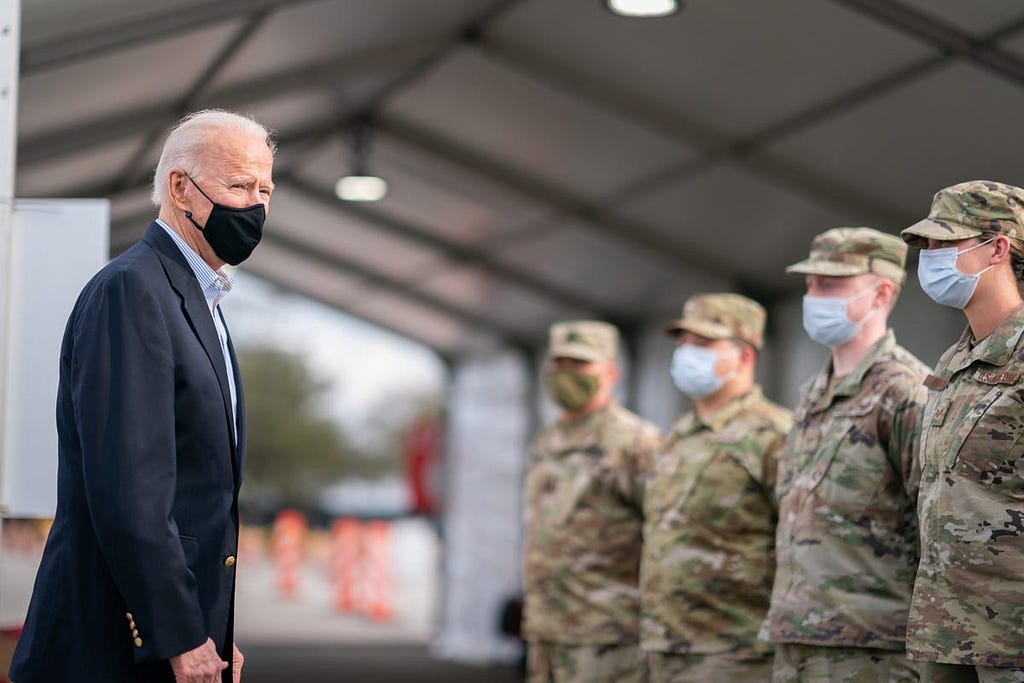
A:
[968,210]
[842,252]
[587,340]
[722,316]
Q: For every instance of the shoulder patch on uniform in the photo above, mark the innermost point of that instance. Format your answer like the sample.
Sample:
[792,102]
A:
[989,377]
[935,383]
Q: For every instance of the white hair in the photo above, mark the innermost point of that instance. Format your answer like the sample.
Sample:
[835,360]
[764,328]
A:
[187,140]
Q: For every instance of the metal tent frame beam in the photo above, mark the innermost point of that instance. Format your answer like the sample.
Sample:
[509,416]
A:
[447,353]
[279,239]
[427,52]
[560,200]
[943,36]
[458,253]
[553,293]
[107,129]
[95,42]
[713,146]
[132,169]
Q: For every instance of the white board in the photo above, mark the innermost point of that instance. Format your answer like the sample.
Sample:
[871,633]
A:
[56,246]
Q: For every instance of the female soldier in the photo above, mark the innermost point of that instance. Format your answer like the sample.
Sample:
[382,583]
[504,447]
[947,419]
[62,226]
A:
[967,613]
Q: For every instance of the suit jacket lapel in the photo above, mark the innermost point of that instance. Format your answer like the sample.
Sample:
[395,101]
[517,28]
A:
[184,282]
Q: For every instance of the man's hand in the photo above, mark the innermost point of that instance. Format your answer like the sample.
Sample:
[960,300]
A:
[201,665]
[236,664]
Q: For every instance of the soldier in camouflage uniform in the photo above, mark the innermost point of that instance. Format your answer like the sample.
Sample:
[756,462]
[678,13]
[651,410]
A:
[709,506]
[583,516]
[846,543]
[967,615]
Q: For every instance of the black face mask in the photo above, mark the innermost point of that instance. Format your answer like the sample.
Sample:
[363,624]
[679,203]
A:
[231,233]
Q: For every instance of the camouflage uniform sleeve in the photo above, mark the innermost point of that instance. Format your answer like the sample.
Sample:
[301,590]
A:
[903,428]
[639,462]
[770,473]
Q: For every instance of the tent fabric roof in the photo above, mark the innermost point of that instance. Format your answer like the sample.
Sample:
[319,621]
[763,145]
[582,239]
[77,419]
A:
[546,158]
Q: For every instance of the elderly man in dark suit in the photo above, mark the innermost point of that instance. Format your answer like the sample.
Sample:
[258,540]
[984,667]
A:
[137,581]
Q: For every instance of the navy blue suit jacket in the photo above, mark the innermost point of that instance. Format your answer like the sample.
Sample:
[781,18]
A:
[147,484]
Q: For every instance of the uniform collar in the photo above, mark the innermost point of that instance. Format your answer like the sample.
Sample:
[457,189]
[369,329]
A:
[717,421]
[995,349]
[583,430]
[819,394]
[586,421]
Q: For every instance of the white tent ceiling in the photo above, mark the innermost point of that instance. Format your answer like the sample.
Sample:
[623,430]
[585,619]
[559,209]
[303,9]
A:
[546,158]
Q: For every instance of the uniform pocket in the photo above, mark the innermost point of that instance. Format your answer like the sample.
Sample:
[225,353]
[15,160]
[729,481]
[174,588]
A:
[555,489]
[853,462]
[987,446]
[962,429]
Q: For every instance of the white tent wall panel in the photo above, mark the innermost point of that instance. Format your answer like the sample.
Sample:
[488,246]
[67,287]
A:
[488,428]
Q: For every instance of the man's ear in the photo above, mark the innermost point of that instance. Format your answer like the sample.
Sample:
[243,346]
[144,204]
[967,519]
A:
[613,371]
[748,354]
[885,291]
[177,186]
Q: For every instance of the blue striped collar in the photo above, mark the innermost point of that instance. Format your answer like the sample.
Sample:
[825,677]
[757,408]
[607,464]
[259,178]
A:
[215,283]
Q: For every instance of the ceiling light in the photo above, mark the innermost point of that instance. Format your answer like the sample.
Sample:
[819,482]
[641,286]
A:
[359,185]
[361,188]
[644,8]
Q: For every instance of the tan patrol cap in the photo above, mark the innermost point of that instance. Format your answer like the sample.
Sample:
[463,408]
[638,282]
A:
[722,316]
[587,340]
[969,209]
[843,252]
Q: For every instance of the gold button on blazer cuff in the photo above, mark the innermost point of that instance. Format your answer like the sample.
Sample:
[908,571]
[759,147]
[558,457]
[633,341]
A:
[138,642]
[229,561]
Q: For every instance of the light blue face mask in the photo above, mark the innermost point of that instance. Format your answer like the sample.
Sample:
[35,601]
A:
[693,370]
[827,322]
[942,280]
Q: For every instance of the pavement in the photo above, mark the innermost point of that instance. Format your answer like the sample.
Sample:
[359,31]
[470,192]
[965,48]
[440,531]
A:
[304,637]
[363,663]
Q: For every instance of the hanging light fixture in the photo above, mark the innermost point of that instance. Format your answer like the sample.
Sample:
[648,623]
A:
[643,8]
[360,185]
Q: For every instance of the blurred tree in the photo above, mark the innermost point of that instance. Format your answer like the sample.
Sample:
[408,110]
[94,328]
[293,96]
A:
[293,450]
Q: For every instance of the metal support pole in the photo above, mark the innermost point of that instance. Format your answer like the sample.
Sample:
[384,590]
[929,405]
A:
[10,43]
[10,30]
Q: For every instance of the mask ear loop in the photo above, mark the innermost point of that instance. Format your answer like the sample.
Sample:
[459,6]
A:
[188,214]
[736,351]
[867,315]
[980,244]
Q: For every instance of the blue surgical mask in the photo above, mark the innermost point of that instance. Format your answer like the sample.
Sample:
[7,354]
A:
[942,280]
[693,370]
[827,321]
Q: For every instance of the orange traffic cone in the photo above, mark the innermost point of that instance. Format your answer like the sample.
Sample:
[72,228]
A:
[289,531]
[346,559]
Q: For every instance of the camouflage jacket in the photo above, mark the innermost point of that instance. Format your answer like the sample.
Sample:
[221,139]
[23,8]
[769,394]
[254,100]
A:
[709,531]
[968,605]
[846,543]
[583,516]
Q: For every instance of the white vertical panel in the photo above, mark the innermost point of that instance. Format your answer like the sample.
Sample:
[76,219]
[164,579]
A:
[10,42]
[56,246]
[488,432]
